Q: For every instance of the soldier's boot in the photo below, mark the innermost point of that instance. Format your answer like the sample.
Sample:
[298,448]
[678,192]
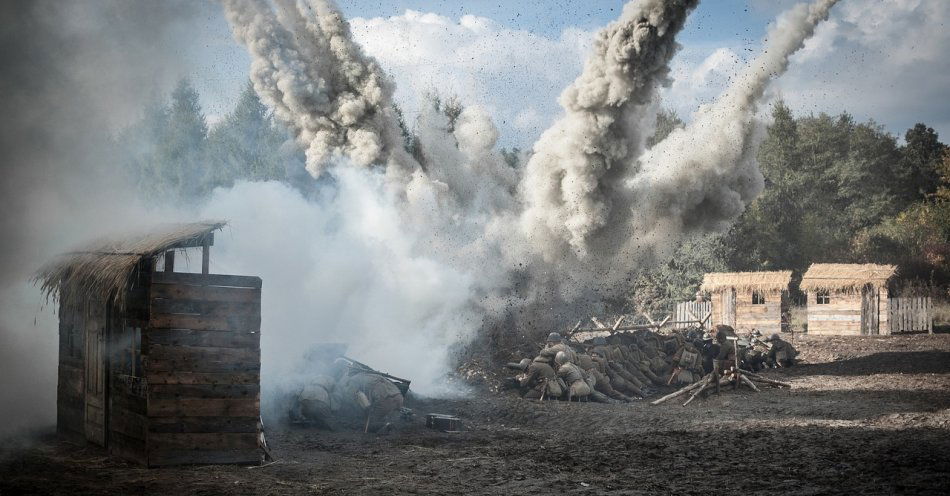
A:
[600,397]
[625,387]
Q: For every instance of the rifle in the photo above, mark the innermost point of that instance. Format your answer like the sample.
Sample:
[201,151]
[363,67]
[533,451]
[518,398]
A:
[402,384]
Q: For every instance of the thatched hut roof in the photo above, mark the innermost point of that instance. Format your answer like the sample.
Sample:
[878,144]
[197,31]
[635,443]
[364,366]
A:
[745,281]
[104,268]
[846,277]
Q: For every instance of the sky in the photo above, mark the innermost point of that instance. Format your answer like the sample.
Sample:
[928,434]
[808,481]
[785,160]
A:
[880,60]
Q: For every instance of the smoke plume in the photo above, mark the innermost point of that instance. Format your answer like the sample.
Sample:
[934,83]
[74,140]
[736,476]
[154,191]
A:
[307,68]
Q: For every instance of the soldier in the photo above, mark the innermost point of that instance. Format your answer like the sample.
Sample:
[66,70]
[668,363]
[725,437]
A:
[313,403]
[540,382]
[360,394]
[755,356]
[727,350]
[594,368]
[688,364]
[553,344]
[781,353]
[620,379]
[573,376]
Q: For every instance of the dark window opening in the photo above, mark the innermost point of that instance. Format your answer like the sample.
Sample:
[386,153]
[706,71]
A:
[758,298]
[822,298]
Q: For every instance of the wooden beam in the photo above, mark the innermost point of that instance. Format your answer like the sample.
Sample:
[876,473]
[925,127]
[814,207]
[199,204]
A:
[206,257]
[170,261]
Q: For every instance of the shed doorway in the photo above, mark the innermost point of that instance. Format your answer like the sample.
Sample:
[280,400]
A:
[95,372]
[870,322]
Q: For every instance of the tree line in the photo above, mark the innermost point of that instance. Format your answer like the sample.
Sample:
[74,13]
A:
[836,190]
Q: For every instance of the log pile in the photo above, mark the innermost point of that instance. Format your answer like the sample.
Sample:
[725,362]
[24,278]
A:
[714,381]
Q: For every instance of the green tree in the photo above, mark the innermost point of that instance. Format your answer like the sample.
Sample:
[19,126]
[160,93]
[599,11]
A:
[666,122]
[246,144]
[182,151]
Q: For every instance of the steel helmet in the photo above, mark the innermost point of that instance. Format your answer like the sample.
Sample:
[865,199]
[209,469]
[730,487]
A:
[600,341]
[554,338]
[562,357]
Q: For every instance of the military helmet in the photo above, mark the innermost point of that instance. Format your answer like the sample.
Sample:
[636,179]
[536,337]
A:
[756,333]
[562,357]
[600,341]
[773,337]
[554,338]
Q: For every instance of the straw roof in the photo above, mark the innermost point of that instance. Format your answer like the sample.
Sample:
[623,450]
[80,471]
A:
[745,281]
[846,277]
[104,268]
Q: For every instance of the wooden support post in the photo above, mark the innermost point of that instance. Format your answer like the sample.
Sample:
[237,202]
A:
[206,257]
[170,261]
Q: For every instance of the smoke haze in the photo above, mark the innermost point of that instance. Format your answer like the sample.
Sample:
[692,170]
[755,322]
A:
[407,258]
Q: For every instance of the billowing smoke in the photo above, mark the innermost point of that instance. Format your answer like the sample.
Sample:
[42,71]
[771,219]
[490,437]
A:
[453,240]
[701,177]
[573,179]
[307,68]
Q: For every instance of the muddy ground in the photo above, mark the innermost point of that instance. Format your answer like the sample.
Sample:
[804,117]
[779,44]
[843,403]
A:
[865,415]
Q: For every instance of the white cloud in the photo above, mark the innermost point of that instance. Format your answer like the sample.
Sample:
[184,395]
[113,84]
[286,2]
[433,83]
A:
[517,74]
[876,60]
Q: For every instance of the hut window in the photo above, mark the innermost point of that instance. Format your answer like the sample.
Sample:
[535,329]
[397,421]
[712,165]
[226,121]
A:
[822,298]
[758,298]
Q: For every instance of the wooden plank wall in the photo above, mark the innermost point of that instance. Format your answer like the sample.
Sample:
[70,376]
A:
[910,314]
[202,365]
[841,316]
[766,317]
[691,310]
[70,387]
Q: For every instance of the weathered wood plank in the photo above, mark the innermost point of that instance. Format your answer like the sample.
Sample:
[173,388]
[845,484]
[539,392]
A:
[204,408]
[193,457]
[128,423]
[203,424]
[239,323]
[222,280]
[202,441]
[214,366]
[206,391]
[191,337]
[205,308]
[237,356]
[184,377]
[128,448]
[205,293]
[128,402]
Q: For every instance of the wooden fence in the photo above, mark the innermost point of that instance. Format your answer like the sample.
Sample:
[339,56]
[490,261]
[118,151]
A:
[910,314]
[691,311]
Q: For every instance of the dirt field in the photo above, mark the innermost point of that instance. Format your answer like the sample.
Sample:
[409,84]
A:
[865,415]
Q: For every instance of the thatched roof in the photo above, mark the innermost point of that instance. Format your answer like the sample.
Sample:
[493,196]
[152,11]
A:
[744,281]
[105,267]
[846,277]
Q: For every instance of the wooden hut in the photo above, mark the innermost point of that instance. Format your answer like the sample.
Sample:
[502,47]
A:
[749,300]
[847,298]
[161,368]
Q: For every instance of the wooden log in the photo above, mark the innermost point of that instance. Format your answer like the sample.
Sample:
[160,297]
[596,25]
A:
[682,391]
[759,378]
[747,382]
[706,385]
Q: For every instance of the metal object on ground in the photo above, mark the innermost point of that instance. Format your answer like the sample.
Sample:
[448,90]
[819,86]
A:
[444,423]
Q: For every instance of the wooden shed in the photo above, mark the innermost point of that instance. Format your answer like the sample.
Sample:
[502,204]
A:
[749,300]
[161,368]
[847,298]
